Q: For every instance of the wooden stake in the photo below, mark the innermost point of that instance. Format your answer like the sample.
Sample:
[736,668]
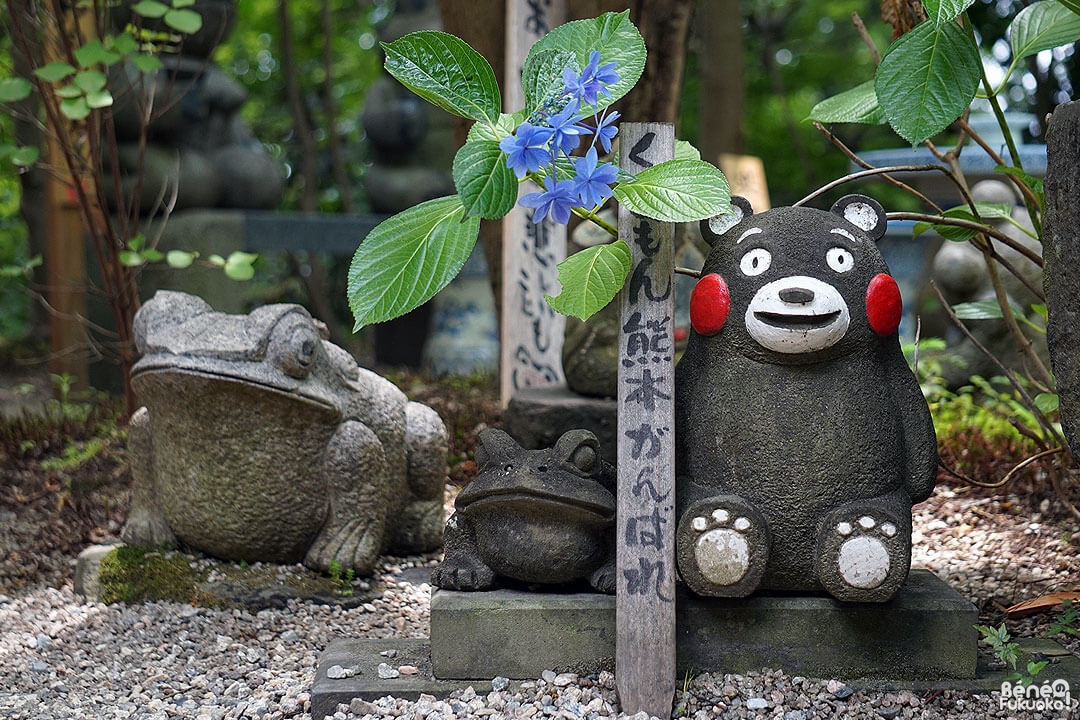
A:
[531,333]
[645,594]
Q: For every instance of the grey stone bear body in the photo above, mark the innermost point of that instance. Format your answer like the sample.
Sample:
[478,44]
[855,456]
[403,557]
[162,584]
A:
[802,437]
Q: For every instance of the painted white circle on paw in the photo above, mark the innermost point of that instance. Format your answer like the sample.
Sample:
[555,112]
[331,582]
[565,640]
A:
[864,562]
[723,556]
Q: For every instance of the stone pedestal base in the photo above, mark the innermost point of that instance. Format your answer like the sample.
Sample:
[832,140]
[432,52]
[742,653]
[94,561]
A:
[924,633]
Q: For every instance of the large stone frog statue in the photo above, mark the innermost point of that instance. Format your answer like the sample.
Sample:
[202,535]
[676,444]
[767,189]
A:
[802,437]
[542,517]
[261,440]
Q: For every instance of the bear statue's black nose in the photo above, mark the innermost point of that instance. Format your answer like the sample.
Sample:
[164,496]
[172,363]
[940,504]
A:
[796,295]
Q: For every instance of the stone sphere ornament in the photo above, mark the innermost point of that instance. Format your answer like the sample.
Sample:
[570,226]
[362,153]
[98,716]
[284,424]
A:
[802,437]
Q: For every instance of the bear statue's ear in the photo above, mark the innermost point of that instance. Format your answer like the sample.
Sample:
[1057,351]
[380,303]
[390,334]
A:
[864,213]
[712,228]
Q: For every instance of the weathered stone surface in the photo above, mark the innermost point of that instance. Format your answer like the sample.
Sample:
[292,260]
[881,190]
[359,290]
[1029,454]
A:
[1061,257]
[520,635]
[534,516]
[802,437]
[260,440]
[537,416]
[590,353]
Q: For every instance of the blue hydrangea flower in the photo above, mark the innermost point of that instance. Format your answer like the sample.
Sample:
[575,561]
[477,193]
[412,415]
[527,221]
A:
[606,129]
[592,80]
[527,149]
[567,133]
[556,200]
[592,182]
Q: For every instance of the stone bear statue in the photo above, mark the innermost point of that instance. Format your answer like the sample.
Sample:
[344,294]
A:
[802,437]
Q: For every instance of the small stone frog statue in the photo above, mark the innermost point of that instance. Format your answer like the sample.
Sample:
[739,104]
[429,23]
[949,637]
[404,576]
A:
[802,437]
[536,516]
[259,440]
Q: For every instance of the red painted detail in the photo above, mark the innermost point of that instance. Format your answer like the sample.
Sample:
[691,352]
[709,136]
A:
[681,334]
[709,304]
[883,304]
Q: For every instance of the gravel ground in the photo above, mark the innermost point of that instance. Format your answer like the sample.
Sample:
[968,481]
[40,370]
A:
[61,657]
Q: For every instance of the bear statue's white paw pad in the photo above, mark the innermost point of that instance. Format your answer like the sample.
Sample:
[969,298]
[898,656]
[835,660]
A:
[863,558]
[721,550]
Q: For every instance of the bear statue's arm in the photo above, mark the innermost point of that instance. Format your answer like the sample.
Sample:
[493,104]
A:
[920,439]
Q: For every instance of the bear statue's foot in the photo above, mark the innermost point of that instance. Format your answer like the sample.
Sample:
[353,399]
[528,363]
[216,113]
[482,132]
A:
[723,546]
[463,573]
[603,578]
[864,553]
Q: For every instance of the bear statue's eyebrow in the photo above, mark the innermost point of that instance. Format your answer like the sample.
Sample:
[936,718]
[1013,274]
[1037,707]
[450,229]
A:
[748,233]
[845,233]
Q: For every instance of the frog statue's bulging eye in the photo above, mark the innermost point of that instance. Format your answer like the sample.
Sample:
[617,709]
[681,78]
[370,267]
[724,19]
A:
[755,262]
[584,458]
[293,349]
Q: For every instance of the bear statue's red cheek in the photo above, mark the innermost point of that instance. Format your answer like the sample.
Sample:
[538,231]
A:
[709,304]
[883,304]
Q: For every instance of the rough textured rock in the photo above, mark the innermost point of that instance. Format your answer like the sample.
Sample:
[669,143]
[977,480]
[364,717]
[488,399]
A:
[802,437]
[535,516]
[1061,256]
[260,440]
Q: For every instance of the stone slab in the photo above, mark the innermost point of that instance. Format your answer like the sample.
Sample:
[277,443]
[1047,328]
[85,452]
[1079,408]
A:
[519,634]
[924,633]
[361,659]
[538,416]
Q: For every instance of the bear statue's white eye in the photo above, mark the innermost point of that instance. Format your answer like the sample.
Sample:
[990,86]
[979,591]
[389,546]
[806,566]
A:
[755,262]
[839,259]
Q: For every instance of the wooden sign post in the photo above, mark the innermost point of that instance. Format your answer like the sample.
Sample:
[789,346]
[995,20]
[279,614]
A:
[531,333]
[645,594]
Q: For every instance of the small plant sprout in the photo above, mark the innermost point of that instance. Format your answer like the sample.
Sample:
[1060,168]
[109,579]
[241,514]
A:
[569,79]
[1009,652]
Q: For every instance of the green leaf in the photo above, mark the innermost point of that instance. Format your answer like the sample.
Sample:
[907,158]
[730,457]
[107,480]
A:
[945,11]
[124,43]
[446,72]
[1047,402]
[99,99]
[1043,26]
[25,156]
[983,310]
[487,187]
[927,78]
[146,63]
[150,9]
[75,108]
[591,278]
[129,258]
[857,105]
[54,71]
[614,36]
[69,91]
[95,53]
[504,126]
[216,260]
[90,80]
[14,89]
[180,259]
[153,255]
[408,258]
[240,265]
[1033,183]
[1073,5]
[541,75]
[183,3]
[677,191]
[185,21]
[686,151]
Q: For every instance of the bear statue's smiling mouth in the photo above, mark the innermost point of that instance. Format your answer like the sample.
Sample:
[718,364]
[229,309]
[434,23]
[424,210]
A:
[797,322]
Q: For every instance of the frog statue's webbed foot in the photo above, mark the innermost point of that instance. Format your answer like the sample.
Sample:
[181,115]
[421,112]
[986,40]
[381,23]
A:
[462,568]
[353,534]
